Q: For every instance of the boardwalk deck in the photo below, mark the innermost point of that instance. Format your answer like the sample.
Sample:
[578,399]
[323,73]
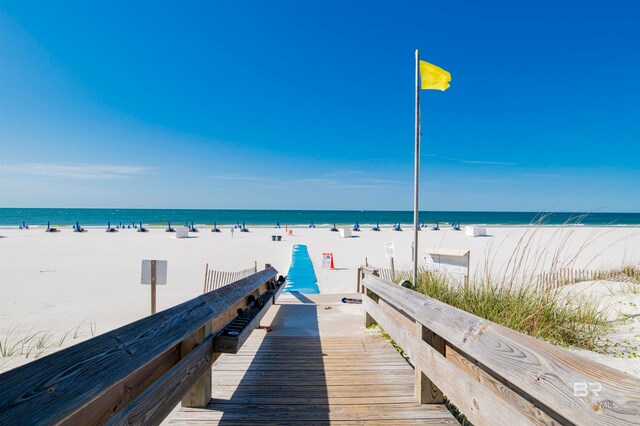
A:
[314,377]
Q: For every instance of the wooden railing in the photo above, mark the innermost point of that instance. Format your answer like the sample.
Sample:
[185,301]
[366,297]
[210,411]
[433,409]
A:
[493,374]
[215,279]
[135,374]
[386,274]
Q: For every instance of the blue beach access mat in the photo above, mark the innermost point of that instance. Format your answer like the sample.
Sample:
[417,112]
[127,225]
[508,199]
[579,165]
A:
[301,277]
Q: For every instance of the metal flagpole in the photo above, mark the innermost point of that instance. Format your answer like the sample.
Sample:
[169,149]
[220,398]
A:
[416,176]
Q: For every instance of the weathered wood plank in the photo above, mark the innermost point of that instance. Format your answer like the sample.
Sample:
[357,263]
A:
[323,385]
[275,422]
[157,401]
[472,399]
[535,415]
[300,399]
[70,379]
[295,390]
[426,391]
[199,394]
[315,413]
[100,410]
[538,371]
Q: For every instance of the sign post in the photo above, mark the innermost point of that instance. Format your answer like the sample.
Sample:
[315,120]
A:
[153,287]
[154,272]
[390,252]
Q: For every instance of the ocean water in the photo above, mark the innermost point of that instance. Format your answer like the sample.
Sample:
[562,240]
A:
[160,217]
[301,276]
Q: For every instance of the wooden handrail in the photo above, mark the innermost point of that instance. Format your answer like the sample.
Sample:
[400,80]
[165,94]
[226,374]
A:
[161,355]
[494,374]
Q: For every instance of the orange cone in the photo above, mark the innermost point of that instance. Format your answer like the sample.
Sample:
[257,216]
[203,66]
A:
[332,267]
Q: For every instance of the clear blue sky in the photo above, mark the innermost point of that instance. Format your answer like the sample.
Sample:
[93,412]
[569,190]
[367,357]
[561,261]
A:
[309,105]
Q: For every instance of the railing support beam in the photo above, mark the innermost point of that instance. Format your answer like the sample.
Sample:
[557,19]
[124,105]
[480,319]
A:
[426,391]
[200,393]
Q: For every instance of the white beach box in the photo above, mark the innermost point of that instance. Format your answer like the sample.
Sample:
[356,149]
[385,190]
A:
[452,262]
[345,232]
[471,231]
[475,231]
[182,232]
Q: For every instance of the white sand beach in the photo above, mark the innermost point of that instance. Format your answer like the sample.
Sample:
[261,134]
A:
[71,286]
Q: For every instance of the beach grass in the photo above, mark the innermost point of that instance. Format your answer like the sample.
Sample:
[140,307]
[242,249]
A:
[35,343]
[523,308]
[514,296]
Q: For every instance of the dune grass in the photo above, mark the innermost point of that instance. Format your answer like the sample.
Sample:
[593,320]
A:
[526,309]
[35,343]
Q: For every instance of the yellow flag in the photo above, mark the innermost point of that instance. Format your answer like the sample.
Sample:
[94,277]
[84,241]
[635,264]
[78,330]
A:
[433,77]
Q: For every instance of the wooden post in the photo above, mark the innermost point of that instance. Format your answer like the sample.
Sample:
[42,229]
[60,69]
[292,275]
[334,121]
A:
[393,270]
[255,266]
[366,261]
[206,275]
[200,393]
[153,287]
[368,319]
[426,391]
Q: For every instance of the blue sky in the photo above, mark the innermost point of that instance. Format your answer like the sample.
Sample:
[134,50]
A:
[309,105]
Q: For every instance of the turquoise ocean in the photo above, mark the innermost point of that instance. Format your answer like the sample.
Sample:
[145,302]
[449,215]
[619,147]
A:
[160,217]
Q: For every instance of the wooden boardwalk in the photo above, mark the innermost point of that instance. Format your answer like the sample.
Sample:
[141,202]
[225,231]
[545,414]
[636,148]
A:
[300,379]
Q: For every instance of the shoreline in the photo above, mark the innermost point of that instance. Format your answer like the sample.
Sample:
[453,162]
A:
[364,226]
[301,218]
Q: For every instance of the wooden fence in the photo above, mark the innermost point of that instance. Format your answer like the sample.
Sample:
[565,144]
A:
[135,374]
[213,279]
[572,276]
[387,274]
[493,374]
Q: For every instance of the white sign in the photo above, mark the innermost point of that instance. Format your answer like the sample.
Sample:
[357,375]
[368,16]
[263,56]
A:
[389,249]
[161,272]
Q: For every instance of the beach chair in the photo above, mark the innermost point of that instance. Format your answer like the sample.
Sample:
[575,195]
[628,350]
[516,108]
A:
[356,227]
[278,225]
[397,227]
[142,228]
[436,227]
[335,228]
[192,228]
[377,227]
[169,228]
[110,229]
[244,228]
[215,228]
[50,229]
[78,228]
